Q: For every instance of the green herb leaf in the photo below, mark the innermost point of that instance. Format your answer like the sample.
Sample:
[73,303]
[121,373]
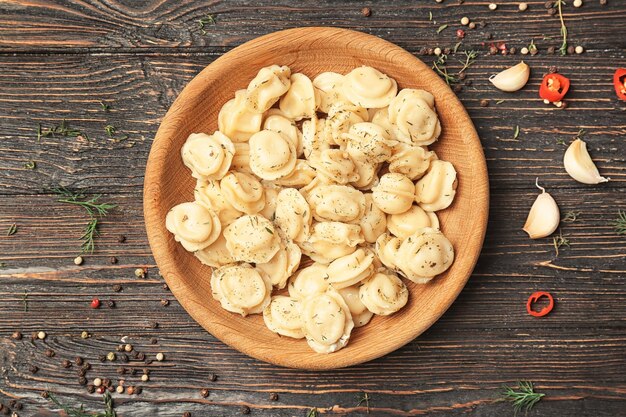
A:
[563,49]
[110,130]
[109,410]
[441,28]
[620,223]
[430,16]
[12,230]
[208,19]
[30,165]
[559,241]
[571,216]
[499,101]
[269,230]
[312,412]
[523,397]
[516,132]
[105,107]
[364,398]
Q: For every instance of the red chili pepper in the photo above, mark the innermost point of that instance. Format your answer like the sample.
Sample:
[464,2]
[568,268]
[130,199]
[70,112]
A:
[536,296]
[95,303]
[619,82]
[554,87]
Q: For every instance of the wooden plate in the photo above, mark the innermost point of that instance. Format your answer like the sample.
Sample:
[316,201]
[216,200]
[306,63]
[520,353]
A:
[313,50]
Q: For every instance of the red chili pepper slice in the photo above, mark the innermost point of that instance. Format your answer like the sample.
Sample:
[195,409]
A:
[536,296]
[619,82]
[554,87]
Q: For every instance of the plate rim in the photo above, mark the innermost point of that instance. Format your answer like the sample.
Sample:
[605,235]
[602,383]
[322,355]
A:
[153,172]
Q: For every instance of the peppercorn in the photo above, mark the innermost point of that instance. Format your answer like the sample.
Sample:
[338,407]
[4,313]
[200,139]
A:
[366,11]
[551,50]
[505,52]
[534,51]
[212,377]
[140,273]
[18,406]
[124,358]
[100,390]
[84,335]
[111,356]
[33,369]
[91,388]
[571,50]
[119,389]
[460,33]
[86,366]
[49,353]
[462,75]
[563,104]
[447,51]
[522,7]
[160,356]
[245,409]
[102,358]
[186,414]
[106,382]
[45,394]
[552,11]
[148,361]
[484,103]
[78,260]
[67,364]
[113,260]
[141,356]
[41,335]
[493,50]
[548,4]
[33,336]
[133,371]
[120,348]
[130,390]
[205,393]
[579,49]
[513,50]
[82,380]
[472,25]
[145,378]
[82,372]
[16,336]
[423,51]
[121,370]
[552,69]
[78,360]
[465,20]
[154,341]
[273,396]
[95,303]
[138,390]
[117,288]
[165,302]
[166,287]
[154,324]
[603,2]
[121,239]
[437,51]
[128,347]
[458,88]
[493,6]
[431,51]
[110,303]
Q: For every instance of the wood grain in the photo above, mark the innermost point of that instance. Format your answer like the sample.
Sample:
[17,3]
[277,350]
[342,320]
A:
[58,63]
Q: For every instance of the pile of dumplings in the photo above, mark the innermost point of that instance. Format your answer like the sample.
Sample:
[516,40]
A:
[336,169]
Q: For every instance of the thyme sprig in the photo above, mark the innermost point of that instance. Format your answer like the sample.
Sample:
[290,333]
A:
[207,20]
[523,397]
[109,411]
[559,5]
[12,229]
[559,241]
[312,412]
[364,398]
[470,57]
[93,207]
[620,223]
[440,67]
[571,216]
[61,129]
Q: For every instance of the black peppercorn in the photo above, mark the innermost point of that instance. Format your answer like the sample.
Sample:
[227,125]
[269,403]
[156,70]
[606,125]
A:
[33,369]
[165,302]
[273,396]
[117,288]
[462,75]
[245,409]
[86,366]
[121,239]
[186,414]
[204,393]
[154,341]
[18,406]
[212,377]
[124,357]
[102,358]
[82,372]
[121,370]
[138,390]
[133,371]
[110,303]
[548,4]
[113,260]
[82,380]
[552,11]
[366,11]
[78,360]
[49,353]
[141,356]
[154,324]
[484,103]
[17,335]
[67,364]
[91,388]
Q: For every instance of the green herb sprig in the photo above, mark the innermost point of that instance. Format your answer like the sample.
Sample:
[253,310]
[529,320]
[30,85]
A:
[61,129]
[93,207]
[312,412]
[559,241]
[207,20]
[440,67]
[571,216]
[441,28]
[12,230]
[516,132]
[109,410]
[559,5]
[364,398]
[523,397]
[620,223]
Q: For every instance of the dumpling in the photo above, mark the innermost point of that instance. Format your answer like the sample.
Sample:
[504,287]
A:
[286,126]
[293,214]
[331,240]
[193,225]
[337,203]
[216,254]
[381,118]
[340,117]
[436,190]
[326,322]
[252,239]
[241,289]
[351,269]
[368,175]
[410,160]
[334,166]
[309,281]
[360,314]
[301,100]
[241,160]
[283,264]
[384,293]
[424,254]
[405,224]
[415,120]
[387,247]
[368,87]
[209,194]
[328,85]
[272,155]
[266,88]
[374,221]
[271,195]
[208,156]
[243,191]
[236,121]
[282,316]
[394,193]
[314,137]
[302,174]
[369,143]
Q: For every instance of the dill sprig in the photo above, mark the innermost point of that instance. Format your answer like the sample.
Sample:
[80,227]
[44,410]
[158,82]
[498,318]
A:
[312,412]
[571,216]
[207,20]
[109,411]
[620,223]
[61,129]
[470,57]
[559,5]
[523,396]
[93,207]
[364,398]
[559,241]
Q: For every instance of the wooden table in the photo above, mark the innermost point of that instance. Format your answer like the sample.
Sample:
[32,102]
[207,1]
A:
[61,59]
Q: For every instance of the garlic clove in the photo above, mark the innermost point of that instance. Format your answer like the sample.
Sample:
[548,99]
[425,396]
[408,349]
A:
[544,216]
[579,165]
[512,79]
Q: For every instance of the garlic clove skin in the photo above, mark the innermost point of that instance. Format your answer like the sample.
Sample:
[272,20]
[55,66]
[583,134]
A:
[511,79]
[579,165]
[544,216]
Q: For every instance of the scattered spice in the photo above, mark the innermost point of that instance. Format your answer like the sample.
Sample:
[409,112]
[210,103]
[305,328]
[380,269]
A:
[578,3]
[121,239]
[186,414]
[49,353]
[78,260]
[472,25]
[619,82]
[551,50]
[205,393]
[207,20]
[312,412]
[516,132]
[117,288]
[579,50]
[140,273]
[493,6]
[12,230]
[33,369]
[534,298]
[465,20]
[366,11]
[212,377]
[110,303]
[160,356]
[78,361]
[113,260]
[111,356]
[620,223]
[523,397]
[524,51]
[145,378]
[104,106]
[273,396]
[95,303]
[30,164]
[165,302]
[62,129]
[522,7]
[245,409]
[559,241]
[441,28]
[154,341]
[364,398]
[41,335]
[82,380]
[571,216]
[16,335]
[66,364]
